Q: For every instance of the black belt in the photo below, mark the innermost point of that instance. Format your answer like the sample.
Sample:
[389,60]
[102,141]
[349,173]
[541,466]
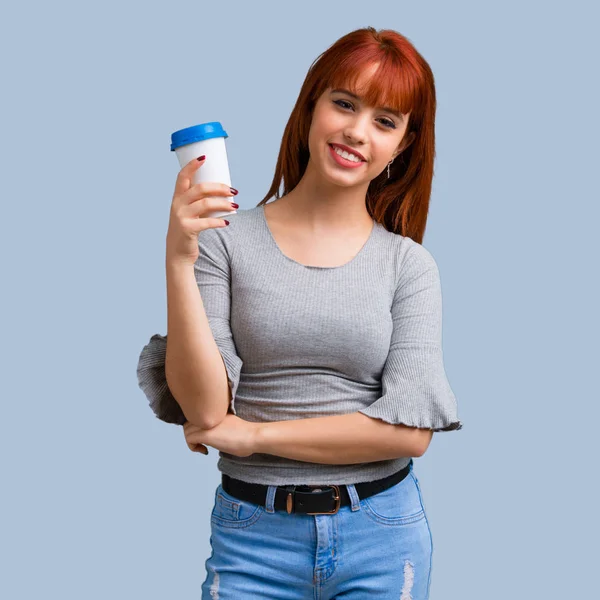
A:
[309,499]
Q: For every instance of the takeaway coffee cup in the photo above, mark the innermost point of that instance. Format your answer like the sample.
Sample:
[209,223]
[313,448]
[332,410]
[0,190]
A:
[208,139]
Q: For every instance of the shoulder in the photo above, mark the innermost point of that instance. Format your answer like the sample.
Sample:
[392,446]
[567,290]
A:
[418,281]
[222,239]
[417,258]
[411,258]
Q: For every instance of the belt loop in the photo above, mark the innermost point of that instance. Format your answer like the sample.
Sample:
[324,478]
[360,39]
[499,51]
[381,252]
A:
[354,497]
[270,500]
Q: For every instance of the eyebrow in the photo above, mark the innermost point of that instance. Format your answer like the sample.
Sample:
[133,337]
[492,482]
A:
[389,110]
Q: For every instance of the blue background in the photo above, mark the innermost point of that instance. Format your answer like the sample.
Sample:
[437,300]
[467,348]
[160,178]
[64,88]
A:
[102,500]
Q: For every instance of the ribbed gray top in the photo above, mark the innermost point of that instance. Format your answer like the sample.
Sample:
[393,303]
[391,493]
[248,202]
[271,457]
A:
[302,341]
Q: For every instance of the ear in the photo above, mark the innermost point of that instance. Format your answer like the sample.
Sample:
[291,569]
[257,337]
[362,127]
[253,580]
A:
[405,143]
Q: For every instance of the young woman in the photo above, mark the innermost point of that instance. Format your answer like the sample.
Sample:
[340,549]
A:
[310,328]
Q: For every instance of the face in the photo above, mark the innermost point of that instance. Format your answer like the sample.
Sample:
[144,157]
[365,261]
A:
[376,135]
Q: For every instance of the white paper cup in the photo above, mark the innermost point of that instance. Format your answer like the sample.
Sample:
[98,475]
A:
[208,139]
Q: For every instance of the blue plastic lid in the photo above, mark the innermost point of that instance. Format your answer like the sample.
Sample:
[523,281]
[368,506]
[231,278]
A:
[197,133]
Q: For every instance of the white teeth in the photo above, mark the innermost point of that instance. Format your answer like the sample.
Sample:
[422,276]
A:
[346,155]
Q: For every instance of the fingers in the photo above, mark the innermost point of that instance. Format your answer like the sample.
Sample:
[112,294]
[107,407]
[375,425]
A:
[204,189]
[188,430]
[198,448]
[184,178]
[201,208]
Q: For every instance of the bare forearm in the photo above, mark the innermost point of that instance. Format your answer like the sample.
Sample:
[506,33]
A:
[339,440]
[194,367]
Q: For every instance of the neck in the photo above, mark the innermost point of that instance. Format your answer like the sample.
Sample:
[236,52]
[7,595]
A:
[322,206]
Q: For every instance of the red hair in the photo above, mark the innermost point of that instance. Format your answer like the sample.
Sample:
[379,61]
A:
[403,81]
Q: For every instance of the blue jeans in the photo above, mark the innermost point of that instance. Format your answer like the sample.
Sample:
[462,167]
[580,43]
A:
[379,547]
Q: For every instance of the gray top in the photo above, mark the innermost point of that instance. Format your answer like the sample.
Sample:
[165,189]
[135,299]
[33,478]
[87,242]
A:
[304,341]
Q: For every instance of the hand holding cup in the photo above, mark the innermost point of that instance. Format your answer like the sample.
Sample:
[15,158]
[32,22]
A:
[189,209]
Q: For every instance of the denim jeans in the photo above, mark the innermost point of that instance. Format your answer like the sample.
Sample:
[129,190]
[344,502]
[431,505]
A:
[379,547]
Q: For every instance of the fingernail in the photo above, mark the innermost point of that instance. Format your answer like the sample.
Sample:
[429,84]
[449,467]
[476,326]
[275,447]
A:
[234,191]
[226,221]
[235,205]
[201,158]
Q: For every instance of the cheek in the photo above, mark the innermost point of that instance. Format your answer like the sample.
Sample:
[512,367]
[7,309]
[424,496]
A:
[383,151]
[320,133]
[328,122]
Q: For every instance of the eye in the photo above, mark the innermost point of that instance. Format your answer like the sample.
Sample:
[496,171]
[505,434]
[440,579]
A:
[387,122]
[342,101]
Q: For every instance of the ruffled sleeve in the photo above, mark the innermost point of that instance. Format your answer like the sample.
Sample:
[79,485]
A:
[415,389]
[212,271]
[153,382]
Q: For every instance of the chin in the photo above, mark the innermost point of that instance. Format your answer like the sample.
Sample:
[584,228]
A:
[347,178]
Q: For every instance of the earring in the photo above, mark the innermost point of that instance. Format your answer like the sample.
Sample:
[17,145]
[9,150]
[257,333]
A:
[388,167]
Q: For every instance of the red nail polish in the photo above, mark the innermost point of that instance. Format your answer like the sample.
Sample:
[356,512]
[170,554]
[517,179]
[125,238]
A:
[201,158]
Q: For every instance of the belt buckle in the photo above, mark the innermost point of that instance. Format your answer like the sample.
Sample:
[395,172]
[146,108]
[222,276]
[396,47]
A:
[337,498]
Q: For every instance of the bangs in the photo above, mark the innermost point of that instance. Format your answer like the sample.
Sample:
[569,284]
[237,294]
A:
[392,85]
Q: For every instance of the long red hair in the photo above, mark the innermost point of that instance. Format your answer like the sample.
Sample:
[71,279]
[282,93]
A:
[404,81]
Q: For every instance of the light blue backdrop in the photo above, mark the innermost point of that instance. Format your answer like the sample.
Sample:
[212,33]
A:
[100,499]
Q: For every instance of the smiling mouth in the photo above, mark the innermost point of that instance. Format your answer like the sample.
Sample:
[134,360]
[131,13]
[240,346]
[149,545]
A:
[335,148]
[344,162]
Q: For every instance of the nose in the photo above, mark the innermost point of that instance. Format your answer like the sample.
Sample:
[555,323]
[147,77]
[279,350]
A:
[355,131]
